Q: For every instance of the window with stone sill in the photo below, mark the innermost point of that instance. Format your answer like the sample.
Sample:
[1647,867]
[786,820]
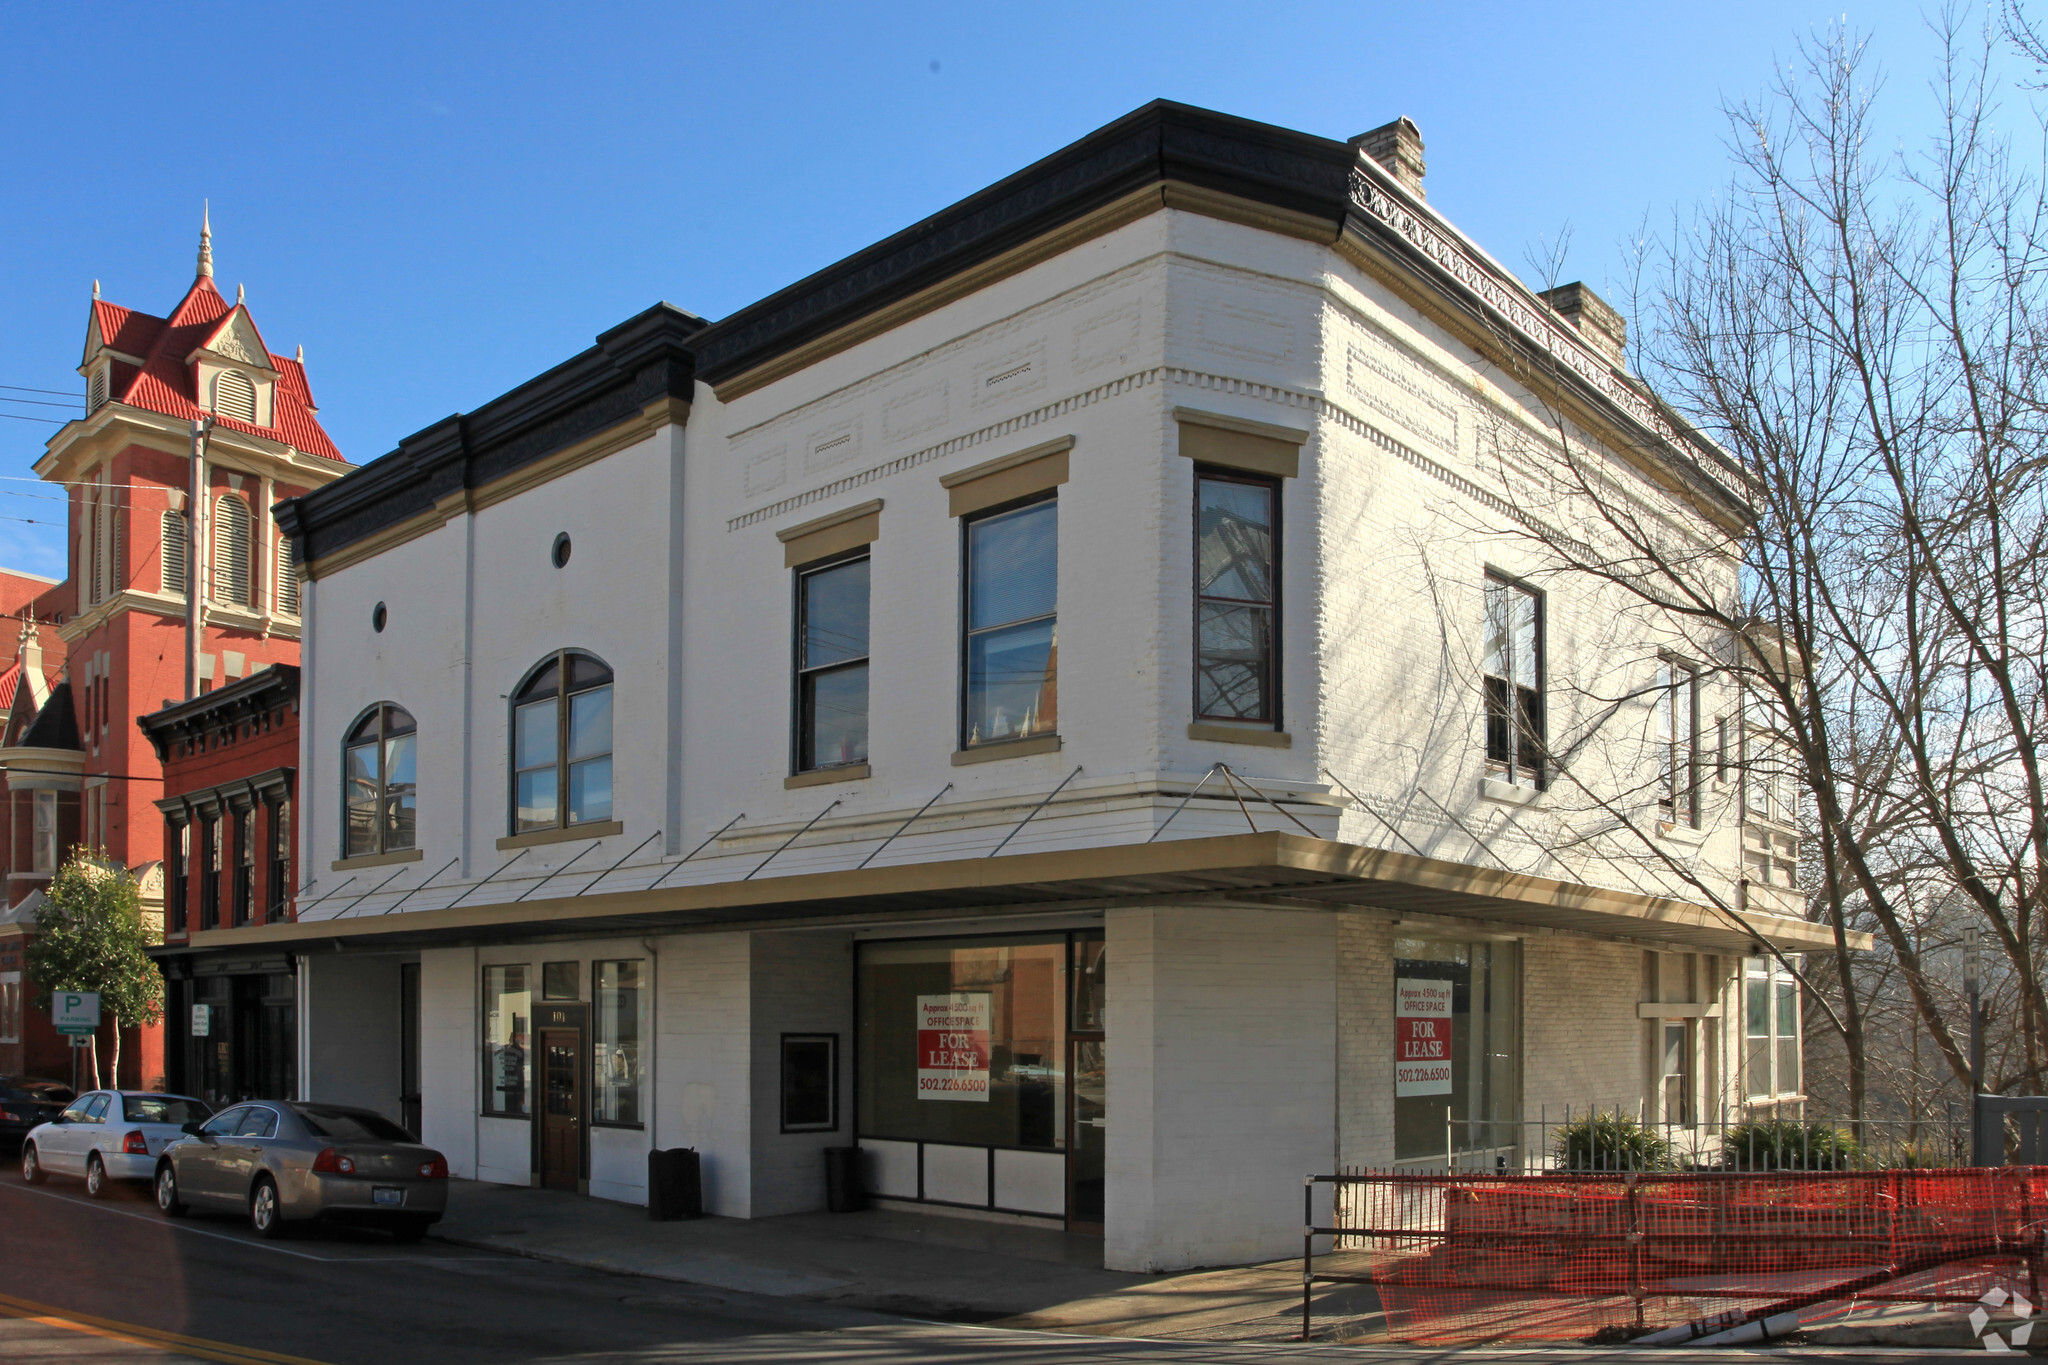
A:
[380,792]
[832,663]
[1010,653]
[1678,744]
[562,744]
[1236,597]
[1513,668]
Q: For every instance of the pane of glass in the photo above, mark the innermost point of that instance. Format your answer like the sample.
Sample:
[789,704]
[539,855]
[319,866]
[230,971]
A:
[535,793]
[561,980]
[835,722]
[366,729]
[1013,566]
[398,761]
[545,682]
[508,1012]
[1788,1008]
[807,1082]
[1010,683]
[1457,1081]
[398,721]
[1091,983]
[1758,1024]
[590,724]
[1234,658]
[534,727]
[585,671]
[964,1040]
[361,827]
[1758,1056]
[1234,541]
[1499,621]
[359,771]
[836,614]
[590,790]
[615,1042]
[401,822]
[1788,1066]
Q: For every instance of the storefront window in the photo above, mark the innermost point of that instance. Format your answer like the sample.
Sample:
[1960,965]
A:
[1457,1051]
[508,1015]
[615,1046]
[964,1040]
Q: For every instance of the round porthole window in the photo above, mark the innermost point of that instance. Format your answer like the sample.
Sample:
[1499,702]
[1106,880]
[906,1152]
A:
[560,554]
[377,618]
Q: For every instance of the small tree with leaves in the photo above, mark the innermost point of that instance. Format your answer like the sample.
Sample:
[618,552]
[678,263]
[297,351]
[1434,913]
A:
[91,935]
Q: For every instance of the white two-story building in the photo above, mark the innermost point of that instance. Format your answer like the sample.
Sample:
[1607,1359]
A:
[1067,700]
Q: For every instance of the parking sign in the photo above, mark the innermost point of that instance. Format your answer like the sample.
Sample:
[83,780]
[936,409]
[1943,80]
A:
[75,1012]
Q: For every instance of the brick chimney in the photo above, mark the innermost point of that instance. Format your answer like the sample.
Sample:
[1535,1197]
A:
[1594,317]
[1398,147]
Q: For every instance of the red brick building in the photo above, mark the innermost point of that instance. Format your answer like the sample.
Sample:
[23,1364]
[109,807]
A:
[194,428]
[229,759]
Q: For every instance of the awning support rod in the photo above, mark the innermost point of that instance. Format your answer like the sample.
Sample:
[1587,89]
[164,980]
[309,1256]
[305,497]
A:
[1037,808]
[487,876]
[556,873]
[1359,801]
[337,890]
[421,887]
[1234,778]
[900,828]
[1184,802]
[698,849]
[792,839]
[341,913]
[619,864]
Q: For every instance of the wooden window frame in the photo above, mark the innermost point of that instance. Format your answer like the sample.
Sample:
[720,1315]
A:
[244,875]
[803,721]
[1678,803]
[1271,684]
[968,521]
[383,712]
[178,860]
[559,662]
[209,859]
[1504,709]
[277,875]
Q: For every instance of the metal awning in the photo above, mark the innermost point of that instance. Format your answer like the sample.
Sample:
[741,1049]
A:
[1271,870]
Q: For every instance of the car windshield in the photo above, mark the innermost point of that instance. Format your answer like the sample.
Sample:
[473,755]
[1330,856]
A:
[353,1125]
[40,1092]
[163,1109]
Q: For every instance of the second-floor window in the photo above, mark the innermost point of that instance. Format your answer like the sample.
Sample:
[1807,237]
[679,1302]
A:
[1011,666]
[245,864]
[1678,743]
[1514,683]
[44,851]
[231,532]
[1236,598]
[380,793]
[832,664]
[562,745]
[179,870]
[209,885]
[277,883]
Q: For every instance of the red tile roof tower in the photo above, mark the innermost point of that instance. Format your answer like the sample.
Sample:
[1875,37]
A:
[194,429]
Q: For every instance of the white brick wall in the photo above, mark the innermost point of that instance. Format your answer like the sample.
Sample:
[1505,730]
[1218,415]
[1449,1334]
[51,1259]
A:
[802,983]
[1365,1040]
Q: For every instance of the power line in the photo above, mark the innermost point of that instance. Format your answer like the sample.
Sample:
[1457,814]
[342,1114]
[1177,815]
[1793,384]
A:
[54,393]
[51,420]
[35,402]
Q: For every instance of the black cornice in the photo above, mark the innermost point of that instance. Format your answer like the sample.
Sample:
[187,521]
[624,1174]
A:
[642,360]
[1160,142]
[262,691]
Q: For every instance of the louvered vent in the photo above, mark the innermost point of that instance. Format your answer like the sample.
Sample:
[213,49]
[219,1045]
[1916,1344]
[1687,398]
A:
[234,396]
[96,389]
[287,577]
[177,552]
[231,551]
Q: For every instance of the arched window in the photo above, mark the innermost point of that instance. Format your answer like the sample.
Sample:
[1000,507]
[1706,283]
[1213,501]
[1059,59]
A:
[562,755]
[379,785]
[231,550]
[175,553]
[287,577]
[234,396]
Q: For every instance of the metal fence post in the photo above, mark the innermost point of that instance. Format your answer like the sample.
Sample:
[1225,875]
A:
[1308,1247]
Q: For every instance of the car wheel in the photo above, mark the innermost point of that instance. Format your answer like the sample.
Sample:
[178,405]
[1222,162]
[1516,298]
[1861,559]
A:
[167,1191]
[32,1165]
[95,1177]
[266,1213]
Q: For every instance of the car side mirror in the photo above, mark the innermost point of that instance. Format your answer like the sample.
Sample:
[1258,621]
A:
[191,1129]
[60,1118]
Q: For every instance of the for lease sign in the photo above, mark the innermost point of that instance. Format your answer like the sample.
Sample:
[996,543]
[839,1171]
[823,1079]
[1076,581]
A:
[1422,1036]
[952,1046]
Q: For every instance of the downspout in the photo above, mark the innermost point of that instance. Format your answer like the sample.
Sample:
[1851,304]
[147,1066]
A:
[195,581]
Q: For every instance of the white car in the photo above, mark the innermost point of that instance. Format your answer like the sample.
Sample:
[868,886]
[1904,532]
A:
[108,1135]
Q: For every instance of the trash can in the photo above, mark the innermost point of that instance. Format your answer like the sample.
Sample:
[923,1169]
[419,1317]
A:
[843,1192]
[675,1184]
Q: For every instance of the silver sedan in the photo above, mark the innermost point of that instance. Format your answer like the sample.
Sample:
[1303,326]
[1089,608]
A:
[282,1163]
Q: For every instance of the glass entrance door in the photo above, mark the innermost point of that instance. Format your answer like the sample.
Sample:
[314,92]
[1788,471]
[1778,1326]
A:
[1088,1077]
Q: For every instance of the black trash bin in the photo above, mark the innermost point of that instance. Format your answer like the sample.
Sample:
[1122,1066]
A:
[675,1184]
[843,1192]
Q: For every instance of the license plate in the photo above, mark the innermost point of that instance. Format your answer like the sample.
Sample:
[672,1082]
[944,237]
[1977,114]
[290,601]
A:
[387,1196]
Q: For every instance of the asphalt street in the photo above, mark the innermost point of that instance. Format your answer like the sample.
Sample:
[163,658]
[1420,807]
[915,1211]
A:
[85,1282]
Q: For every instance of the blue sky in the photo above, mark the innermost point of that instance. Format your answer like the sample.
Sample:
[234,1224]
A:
[439,201]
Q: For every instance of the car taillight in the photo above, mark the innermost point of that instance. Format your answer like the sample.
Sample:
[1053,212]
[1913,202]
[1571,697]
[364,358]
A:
[437,1169]
[329,1163]
[135,1144]
[9,1116]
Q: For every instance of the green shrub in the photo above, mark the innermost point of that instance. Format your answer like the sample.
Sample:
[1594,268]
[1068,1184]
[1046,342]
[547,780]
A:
[1789,1145]
[1610,1142]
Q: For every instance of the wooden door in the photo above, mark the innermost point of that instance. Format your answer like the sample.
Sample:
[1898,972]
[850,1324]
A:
[561,1115]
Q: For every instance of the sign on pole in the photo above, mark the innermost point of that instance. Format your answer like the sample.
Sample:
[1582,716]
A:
[75,1012]
[202,1021]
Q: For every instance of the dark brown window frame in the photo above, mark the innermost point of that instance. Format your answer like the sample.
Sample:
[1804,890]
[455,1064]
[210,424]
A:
[559,662]
[178,863]
[209,862]
[382,712]
[1272,718]
[244,872]
[1510,724]
[967,524]
[1679,750]
[803,721]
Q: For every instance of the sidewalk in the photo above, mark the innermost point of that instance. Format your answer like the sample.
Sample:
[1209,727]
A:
[913,1264]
